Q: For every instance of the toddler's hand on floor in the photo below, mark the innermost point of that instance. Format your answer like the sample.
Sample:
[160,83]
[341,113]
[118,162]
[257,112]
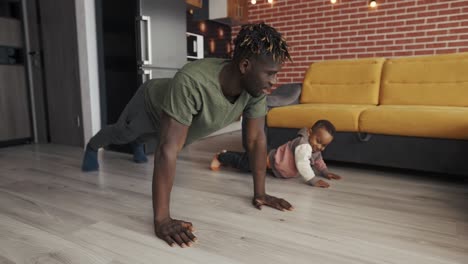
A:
[319,183]
[332,176]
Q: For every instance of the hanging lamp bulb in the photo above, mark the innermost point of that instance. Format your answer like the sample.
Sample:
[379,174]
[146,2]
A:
[373,3]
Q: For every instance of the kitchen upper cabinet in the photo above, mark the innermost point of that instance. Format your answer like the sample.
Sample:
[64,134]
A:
[11,32]
[195,3]
[232,12]
[15,119]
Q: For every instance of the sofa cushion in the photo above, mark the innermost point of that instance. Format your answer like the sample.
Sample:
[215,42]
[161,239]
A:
[344,117]
[418,121]
[285,94]
[434,80]
[343,82]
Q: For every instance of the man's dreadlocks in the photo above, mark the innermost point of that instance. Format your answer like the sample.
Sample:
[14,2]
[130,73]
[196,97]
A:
[260,39]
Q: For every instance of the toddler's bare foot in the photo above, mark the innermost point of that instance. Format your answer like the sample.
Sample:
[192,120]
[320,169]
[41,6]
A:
[215,163]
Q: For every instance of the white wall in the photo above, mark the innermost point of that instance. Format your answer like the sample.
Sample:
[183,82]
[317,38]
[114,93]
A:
[88,63]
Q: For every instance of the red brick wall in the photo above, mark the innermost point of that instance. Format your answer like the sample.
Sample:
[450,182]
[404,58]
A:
[318,30]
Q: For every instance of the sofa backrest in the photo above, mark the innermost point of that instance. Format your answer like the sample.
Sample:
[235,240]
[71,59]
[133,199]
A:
[343,82]
[440,80]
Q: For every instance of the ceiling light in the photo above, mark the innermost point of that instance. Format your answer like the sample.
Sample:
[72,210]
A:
[253,2]
[333,1]
[202,26]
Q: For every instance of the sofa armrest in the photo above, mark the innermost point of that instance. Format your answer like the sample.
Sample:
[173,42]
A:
[286,94]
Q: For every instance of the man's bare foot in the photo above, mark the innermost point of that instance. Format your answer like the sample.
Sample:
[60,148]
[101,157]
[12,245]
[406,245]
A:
[215,163]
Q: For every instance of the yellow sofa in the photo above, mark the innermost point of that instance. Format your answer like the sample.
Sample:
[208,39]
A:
[401,112]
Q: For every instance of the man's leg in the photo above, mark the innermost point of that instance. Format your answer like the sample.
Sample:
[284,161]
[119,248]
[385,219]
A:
[138,150]
[133,122]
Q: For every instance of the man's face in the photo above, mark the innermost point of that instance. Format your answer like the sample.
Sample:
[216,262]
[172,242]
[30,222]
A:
[259,75]
[319,139]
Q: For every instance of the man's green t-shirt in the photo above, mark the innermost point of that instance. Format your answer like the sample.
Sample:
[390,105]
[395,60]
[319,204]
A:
[194,98]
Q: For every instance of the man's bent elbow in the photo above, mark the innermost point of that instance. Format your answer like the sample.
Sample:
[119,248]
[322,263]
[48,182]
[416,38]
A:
[256,143]
[167,151]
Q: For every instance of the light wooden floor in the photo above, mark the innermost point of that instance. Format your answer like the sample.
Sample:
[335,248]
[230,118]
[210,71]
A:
[51,212]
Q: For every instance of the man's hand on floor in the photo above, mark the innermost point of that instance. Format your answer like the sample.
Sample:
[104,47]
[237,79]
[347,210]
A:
[175,232]
[271,201]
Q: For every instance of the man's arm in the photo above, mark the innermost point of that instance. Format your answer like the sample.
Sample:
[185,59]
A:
[256,148]
[172,139]
[257,151]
